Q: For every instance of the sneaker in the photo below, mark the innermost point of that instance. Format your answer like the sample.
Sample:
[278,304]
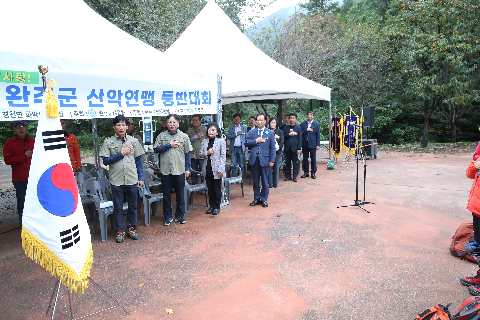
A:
[167,221]
[471,281]
[120,235]
[180,220]
[133,233]
[474,290]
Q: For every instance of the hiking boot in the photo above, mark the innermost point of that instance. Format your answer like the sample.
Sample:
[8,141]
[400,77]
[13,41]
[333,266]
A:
[133,233]
[167,221]
[120,235]
[180,220]
[474,290]
[471,281]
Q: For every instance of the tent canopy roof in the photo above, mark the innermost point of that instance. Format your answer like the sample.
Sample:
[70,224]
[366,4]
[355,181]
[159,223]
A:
[213,42]
[72,38]
[69,29]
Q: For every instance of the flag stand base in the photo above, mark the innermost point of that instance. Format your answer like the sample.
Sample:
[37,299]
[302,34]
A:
[69,312]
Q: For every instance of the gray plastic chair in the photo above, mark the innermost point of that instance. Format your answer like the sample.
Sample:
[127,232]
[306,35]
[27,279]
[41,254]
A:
[86,168]
[87,199]
[99,173]
[149,198]
[232,180]
[189,189]
[100,189]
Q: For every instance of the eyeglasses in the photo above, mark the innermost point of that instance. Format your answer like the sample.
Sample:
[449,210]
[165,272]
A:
[18,126]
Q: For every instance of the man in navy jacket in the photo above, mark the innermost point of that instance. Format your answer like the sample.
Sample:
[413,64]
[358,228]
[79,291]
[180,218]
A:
[261,142]
[292,146]
[310,143]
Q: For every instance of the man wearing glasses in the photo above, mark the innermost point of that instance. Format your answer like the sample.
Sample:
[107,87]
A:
[17,152]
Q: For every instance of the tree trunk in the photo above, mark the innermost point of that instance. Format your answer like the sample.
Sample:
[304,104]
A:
[426,123]
[453,132]
[279,114]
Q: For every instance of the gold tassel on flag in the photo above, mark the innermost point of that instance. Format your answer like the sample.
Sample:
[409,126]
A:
[41,254]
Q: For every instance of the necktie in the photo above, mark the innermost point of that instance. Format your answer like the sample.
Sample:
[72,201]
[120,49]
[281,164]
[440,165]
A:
[123,140]
[261,133]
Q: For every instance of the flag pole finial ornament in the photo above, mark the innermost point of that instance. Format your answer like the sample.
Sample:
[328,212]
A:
[50,99]
[43,69]
[55,232]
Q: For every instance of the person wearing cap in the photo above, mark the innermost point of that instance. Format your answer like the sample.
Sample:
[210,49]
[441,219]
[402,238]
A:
[17,152]
[196,134]
[73,148]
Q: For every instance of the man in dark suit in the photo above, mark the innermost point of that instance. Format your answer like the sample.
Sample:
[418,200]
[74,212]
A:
[292,146]
[261,142]
[310,143]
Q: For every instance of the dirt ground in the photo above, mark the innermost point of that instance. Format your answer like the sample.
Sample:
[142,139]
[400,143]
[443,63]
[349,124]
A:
[300,258]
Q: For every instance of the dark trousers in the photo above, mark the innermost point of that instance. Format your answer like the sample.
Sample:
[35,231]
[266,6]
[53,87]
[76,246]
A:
[214,191]
[476,228]
[259,172]
[312,153]
[177,182]
[119,193]
[21,191]
[273,174]
[197,165]
[289,157]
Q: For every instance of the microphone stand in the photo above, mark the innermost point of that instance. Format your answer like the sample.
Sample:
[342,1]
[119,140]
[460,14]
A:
[359,203]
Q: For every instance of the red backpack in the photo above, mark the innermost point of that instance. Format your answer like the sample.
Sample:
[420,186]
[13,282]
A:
[469,309]
[438,312]
[463,236]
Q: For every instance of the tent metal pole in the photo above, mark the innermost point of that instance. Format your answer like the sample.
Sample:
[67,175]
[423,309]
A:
[219,102]
[329,130]
[95,143]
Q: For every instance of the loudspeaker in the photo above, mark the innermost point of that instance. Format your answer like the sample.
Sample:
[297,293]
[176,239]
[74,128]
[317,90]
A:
[369,117]
[371,150]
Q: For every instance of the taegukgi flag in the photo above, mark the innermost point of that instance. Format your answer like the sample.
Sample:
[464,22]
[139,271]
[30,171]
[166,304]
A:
[55,233]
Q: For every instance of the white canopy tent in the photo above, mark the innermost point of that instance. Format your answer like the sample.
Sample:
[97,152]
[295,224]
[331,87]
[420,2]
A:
[213,42]
[100,70]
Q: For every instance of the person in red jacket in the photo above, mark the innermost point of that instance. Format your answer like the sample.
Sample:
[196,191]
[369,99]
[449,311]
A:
[73,148]
[473,205]
[17,152]
[476,155]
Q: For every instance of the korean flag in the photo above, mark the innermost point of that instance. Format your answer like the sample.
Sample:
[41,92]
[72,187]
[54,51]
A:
[55,233]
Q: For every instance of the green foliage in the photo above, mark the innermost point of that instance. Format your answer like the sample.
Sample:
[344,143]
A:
[415,62]
[316,6]
[436,44]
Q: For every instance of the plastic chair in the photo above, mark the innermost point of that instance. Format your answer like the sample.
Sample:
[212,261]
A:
[87,199]
[189,189]
[100,189]
[232,180]
[86,168]
[149,198]
[99,173]
[153,180]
